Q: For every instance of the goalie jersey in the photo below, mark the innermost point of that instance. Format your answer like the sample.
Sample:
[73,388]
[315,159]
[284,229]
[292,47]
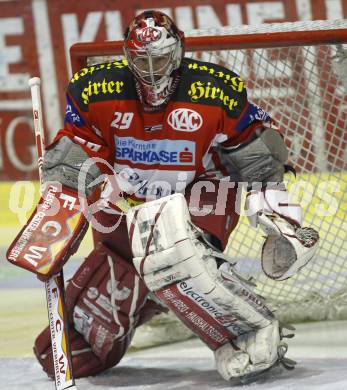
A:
[158,153]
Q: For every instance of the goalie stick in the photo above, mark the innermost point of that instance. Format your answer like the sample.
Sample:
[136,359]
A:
[55,292]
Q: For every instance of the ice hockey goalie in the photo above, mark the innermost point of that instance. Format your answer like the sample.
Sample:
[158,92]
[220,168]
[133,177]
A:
[173,137]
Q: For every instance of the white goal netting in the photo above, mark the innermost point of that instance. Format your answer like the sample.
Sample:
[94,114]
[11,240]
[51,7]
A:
[304,89]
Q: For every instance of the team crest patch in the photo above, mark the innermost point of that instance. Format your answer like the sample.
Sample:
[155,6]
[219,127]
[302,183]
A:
[148,34]
[185,119]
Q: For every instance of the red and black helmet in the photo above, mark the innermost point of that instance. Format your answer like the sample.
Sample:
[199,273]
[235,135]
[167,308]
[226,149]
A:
[153,46]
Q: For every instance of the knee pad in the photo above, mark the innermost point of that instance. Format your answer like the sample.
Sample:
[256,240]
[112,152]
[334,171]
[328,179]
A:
[165,244]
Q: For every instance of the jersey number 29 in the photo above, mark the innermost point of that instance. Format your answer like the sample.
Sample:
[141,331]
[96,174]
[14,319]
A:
[122,120]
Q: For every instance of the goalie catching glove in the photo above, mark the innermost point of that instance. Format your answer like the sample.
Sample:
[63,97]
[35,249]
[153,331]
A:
[181,269]
[288,246]
[261,159]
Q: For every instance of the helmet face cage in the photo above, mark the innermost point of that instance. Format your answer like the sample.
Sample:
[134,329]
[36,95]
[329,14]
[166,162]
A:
[153,47]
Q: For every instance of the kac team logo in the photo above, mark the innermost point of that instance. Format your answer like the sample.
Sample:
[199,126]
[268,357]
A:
[185,119]
[148,34]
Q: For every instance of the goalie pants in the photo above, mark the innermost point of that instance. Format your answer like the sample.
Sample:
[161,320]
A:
[107,300]
[212,205]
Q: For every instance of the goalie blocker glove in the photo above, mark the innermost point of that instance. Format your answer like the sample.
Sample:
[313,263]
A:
[52,233]
[58,224]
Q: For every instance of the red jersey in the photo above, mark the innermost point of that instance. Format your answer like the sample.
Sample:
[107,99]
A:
[158,153]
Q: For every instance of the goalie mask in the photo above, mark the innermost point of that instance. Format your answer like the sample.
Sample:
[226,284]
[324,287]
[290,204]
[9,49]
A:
[153,47]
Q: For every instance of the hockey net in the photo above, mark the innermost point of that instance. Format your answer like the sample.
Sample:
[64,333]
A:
[297,72]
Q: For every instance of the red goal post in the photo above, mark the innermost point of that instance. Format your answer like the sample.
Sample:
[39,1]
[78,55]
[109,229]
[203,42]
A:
[80,52]
[298,73]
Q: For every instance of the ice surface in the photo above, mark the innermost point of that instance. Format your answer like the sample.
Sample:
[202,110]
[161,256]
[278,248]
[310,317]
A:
[184,366]
[177,373]
[319,348]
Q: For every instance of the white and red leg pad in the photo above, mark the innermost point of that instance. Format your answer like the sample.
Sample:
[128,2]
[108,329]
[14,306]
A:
[106,300]
[182,272]
[288,247]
